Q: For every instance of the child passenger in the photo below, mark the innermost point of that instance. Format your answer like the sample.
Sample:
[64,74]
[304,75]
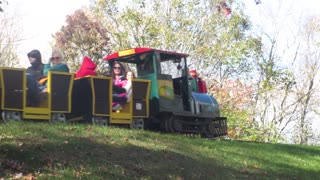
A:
[128,84]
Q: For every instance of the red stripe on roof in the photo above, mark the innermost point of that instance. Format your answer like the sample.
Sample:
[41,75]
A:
[143,50]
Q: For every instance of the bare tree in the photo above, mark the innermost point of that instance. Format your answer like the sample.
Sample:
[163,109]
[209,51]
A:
[306,91]
[275,105]
[9,36]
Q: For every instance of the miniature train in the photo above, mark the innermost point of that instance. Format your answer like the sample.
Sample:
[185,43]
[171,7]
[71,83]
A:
[164,96]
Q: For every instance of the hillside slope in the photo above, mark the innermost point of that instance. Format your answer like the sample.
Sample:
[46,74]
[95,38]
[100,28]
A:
[40,151]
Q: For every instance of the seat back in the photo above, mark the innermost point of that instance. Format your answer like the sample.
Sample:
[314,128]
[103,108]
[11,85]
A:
[102,95]
[13,83]
[140,97]
[60,86]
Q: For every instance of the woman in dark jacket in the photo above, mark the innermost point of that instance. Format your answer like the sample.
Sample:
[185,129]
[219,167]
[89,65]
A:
[34,74]
[36,68]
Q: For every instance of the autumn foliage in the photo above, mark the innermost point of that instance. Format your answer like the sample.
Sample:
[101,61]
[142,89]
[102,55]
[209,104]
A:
[236,100]
[84,35]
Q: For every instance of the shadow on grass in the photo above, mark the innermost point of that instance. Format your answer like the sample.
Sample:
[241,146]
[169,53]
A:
[87,158]
[45,152]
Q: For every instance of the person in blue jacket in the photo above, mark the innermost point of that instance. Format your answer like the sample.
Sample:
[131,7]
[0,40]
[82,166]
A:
[55,63]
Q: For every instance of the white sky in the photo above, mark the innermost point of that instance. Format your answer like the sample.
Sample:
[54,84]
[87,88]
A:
[39,19]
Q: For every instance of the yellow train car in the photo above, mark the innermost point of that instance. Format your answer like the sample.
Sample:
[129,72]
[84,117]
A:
[92,102]
[53,104]
[91,99]
[136,110]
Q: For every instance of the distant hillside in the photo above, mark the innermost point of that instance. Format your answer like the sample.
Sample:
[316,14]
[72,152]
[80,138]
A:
[39,151]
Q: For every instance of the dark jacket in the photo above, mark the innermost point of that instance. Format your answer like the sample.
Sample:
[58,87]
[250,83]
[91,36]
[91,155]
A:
[36,68]
[36,71]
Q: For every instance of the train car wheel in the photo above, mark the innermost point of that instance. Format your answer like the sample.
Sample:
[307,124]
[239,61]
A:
[58,118]
[8,116]
[137,124]
[209,131]
[177,124]
[169,124]
[100,121]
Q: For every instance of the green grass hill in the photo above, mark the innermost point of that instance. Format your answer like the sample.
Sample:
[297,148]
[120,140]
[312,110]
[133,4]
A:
[37,150]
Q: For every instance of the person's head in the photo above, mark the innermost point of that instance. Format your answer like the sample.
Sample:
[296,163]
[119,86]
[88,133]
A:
[130,75]
[118,69]
[56,57]
[34,57]
[193,73]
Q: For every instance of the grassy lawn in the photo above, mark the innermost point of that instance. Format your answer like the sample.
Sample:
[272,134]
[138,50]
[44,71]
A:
[72,151]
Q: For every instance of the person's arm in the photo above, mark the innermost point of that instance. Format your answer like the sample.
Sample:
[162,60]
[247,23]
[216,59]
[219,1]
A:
[46,68]
[128,85]
[118,89]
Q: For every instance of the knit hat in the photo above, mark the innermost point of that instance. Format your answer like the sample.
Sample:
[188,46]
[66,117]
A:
[35,54]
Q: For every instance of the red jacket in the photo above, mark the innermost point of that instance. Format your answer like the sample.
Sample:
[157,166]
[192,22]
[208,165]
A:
[87,68]
[202,85]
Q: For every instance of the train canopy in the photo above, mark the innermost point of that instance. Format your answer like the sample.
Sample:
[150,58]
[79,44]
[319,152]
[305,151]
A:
[137,51]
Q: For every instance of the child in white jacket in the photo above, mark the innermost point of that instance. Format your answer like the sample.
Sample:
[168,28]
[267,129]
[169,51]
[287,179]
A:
[128,85]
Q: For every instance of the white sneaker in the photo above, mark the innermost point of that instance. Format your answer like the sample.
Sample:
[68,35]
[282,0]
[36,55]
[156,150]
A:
[116,107]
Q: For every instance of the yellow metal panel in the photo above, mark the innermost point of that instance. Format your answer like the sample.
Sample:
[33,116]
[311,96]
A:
[120,118]
[126,52]
[36,113]
[166,89]
[121,115]
[94,95]
[69,89]
[49,90]
[3,92]
[120,121]
[146,97]
[70,92]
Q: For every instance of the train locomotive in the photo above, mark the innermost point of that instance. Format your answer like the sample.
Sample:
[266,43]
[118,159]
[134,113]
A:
[164,96]
[175,105]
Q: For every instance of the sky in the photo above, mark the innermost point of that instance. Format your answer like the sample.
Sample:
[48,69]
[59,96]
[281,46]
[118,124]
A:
[40,19]
[285,18]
